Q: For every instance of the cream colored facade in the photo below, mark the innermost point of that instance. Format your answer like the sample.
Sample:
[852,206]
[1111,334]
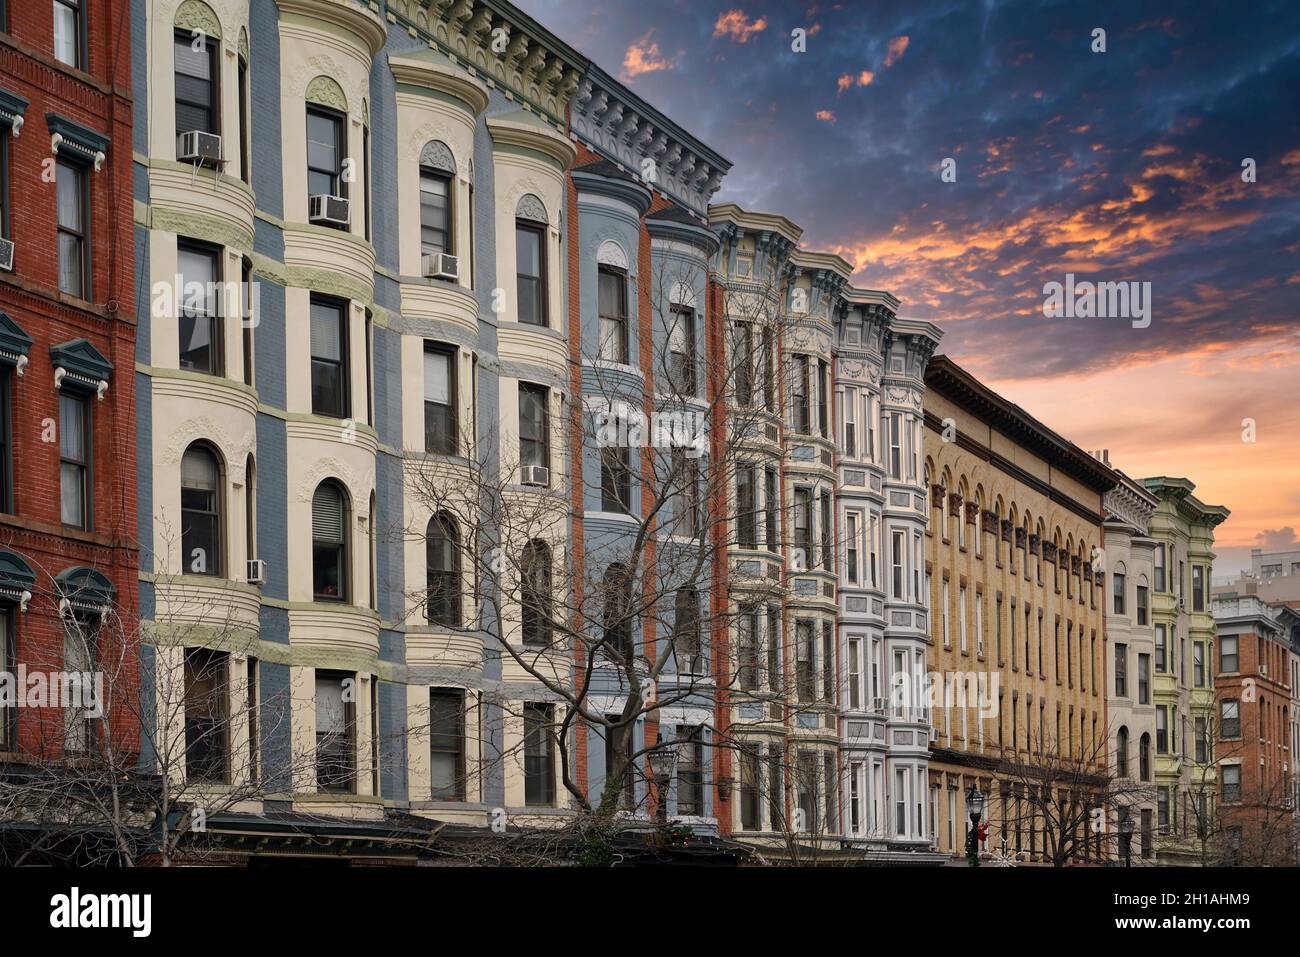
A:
[1015,516]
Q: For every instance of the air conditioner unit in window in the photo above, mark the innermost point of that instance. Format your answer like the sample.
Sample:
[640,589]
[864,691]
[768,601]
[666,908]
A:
[441,266]
[934,735]
[256,571]
[535,475]
[1182,603]
[1163,830]
[1263,669]
[878,705]
[198,147]
[329,210]
[6,255]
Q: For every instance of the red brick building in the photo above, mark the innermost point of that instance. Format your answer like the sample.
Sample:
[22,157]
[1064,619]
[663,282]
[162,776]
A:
[68,553]
[1256,821]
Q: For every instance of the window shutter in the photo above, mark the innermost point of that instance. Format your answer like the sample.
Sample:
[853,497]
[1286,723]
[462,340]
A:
[325,323]
[437,378]
[327,515]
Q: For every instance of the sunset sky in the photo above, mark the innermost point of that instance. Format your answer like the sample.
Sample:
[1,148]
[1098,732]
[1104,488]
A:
[1116,166]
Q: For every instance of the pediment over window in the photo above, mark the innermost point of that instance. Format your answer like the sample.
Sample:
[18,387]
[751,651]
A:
[85,589]
[85,369]
[14,344]
[16,577]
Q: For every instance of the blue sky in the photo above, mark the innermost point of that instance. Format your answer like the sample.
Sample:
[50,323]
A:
[1118,166]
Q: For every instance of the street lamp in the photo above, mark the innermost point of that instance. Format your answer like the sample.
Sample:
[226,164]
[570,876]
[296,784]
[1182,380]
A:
[975,806]
[1126,838]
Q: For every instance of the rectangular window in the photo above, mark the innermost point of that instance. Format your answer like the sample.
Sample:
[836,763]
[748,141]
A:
[1202,742]
[1162,649]
[773,648]
[1143,604]
[248,320]
[1121,671]
[849,413]
[1160,567]
[436,218]
[1231,783]
[74,460]
[963,643]
[73,189]
[690,770]
[804,653]
[539,756]
[776,788]
[447,744]
[896,562]
[325,153]
[200,324]
[1230,718]
[1144,679]
[742,357]
[746,508]
[685,481]
[441,427]
[1198,588]
[851,547]
[855,674]
[1198,664]
[827,533]
[803,535]
[612,306]
[681,351]
[329,349]
[823,412]
[335,730]
[1162,729]
[6,471]
[896,447]
[771,505]
[197,102]
[747,649]
[534,425]
[530,272]
[799,394]
[1228,659]
[615,479]
[747,757]
[1117,581]
[205,716]
[828,662]
[69,33]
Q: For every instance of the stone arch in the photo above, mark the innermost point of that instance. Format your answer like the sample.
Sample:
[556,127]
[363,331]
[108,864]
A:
[612,253]
[436,154]
[194,15]
[530,207]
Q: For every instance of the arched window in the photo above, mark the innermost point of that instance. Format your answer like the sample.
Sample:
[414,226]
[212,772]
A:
[442,555]
[250,507]
[1121,753]
[686,631]
[616,618]
[201,510]
[943,506]
[329,542]
[961,513]
[1144,757]
[979,521]
[535,592]
[437,207]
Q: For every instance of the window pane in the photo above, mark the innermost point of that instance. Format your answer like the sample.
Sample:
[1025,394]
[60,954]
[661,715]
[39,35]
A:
[67,45]
[434,211]
[437,377]
[71,504]
[69,197]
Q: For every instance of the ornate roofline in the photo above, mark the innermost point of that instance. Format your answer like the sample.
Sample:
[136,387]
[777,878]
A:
[615,122]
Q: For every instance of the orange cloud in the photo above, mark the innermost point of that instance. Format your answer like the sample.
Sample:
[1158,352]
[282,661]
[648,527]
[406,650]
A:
[865,78]
[847,80]
[844,82]
[737,25]
[644,56]
[897,47]
[826,116]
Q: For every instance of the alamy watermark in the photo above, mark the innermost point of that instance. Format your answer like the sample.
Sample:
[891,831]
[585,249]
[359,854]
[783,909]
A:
[1100,300]
[83,690]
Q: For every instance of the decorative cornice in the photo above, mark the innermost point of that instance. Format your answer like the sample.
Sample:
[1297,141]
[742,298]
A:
[521,130]
[618,124]
[12,108]
[357,18]
[424,69]
[15,343]
[81,142]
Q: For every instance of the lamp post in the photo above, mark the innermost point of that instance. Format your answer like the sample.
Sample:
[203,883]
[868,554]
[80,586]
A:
[975,807]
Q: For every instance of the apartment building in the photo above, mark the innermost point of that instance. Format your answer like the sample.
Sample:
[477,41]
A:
[67,395]
[1182,527]
[1017,630]
[1256,821]
[1129,569]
